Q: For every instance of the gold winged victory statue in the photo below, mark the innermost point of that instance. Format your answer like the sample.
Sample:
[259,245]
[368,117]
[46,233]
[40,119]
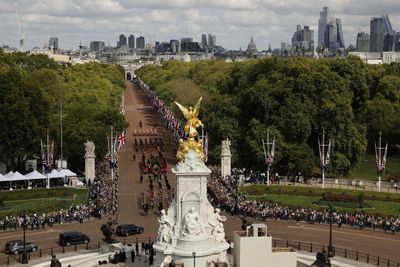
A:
[192,123]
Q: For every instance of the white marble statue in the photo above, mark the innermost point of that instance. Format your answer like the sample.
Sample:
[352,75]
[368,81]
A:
[226,149]
[215,220]
[192,225]
[165,230]
[89,147]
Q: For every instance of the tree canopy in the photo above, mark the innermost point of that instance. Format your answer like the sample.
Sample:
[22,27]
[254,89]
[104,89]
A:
[295,100]
[32,88]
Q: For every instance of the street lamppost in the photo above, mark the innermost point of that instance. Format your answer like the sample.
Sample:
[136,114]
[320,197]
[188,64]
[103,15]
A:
[194,259]
[24,259]
[331,248]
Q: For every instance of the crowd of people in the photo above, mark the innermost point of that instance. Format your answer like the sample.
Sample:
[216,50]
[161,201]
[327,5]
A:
[173,124]
[224,194]
[97,205]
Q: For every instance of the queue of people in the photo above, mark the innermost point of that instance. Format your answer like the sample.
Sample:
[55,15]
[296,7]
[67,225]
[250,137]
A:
[224,194]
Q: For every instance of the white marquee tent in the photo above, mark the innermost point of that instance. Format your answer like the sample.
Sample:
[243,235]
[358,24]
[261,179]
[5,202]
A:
[67,173]
[35,175]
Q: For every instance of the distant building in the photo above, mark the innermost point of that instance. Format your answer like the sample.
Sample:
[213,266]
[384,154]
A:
[53,43]
[362,42]
[322,23]
[140,44]
[251,49]
[391,42]
[190,46]
[96,46]
[303,38]
[330,32]
[122,41]
[203,40]
[131,41]
[212,40]
[379,27]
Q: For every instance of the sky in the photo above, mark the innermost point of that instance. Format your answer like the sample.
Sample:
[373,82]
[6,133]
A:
[233,22]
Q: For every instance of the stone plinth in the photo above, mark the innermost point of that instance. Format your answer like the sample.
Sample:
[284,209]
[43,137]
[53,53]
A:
[90,157]
[191,224]
[226,157]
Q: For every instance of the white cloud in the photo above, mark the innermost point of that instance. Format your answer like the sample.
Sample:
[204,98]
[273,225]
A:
[232,21]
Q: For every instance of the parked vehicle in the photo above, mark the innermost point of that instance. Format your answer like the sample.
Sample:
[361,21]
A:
[70,238]
[17,246]
[129,229]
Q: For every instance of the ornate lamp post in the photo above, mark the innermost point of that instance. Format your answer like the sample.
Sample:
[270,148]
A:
[380,162]
[324,158]
[331,248]
[24,259]
[269,154]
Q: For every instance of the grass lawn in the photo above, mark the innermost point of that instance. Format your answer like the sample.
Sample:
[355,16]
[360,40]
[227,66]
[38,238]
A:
[260,189]
[367,169]
[381,203]
[40,200]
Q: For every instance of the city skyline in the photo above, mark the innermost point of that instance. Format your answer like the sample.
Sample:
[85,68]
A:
[233,22]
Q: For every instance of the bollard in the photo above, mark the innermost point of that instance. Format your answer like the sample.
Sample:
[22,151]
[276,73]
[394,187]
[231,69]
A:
[75,247]
[367,258]
[388,263]
[356,255]
[379,259]
[87,245]
[40,253]
[345,253]
[299,245]
[274,243]
[311,247]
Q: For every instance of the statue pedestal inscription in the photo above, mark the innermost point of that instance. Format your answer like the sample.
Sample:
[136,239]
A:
[226,157]
[90,157]
[191,224]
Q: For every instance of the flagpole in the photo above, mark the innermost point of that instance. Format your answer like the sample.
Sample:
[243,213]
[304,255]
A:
[112,169]
[323,159]
[47,156]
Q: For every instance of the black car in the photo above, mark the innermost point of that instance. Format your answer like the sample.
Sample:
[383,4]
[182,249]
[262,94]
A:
[17,246]
[129,229]
[70,238]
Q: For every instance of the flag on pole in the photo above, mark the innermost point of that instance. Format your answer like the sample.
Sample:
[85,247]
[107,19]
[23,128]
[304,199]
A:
[44,162]
[205,148]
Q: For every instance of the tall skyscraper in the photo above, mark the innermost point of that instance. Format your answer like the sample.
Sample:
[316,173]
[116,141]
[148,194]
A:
[322,23]
[53,43]
[362,42]
[140,42]
[330,33]
[96,46]
[339,31]
[122,40]
[379,27]
[131,41]
[203,40]
[212,40]
[303,38]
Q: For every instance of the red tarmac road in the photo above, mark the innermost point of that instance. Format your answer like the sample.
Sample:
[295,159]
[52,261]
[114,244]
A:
[137,108]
